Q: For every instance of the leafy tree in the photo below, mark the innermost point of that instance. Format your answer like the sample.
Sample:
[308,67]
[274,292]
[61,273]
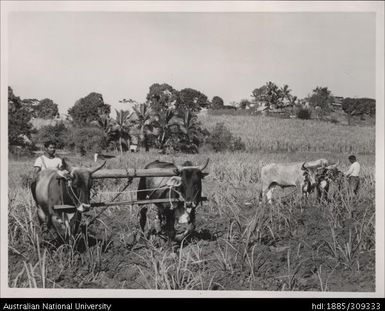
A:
[222,139]
[304,114]
[86,139]
[121,127]
[161,97]
[106,123]
[358,107]
[260,94]
[272,95]
[323,98]
[244,103]
[191,133]
[143,123]
[88,109]
[46,109]
[56,133]
[217,103]
[19,127]
[191,100]
[164,126]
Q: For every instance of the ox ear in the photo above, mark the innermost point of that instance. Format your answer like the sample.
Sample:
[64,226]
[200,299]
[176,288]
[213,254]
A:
[177,172]
[203,175]
[303,166]
[97,168]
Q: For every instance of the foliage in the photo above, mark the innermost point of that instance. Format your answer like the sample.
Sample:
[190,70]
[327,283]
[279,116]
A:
[120,129]
[358,107]
[164,125]
[273,96]
[221,139]
[217,103]
[244,103]
[86,139]
[143,123]
[161,97]
[19,126]
[191,134]
[323,98]
[56,133]
[190,100]
[304,114]
[88,109]
[46,109]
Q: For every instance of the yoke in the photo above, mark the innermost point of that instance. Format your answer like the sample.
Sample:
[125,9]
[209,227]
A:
[128,173]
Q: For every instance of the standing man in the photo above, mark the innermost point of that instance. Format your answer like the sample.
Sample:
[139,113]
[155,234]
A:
[353,174]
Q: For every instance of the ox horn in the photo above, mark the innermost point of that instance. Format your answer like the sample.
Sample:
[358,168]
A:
[333,166]
[303,166]
[201,168]
[98,168]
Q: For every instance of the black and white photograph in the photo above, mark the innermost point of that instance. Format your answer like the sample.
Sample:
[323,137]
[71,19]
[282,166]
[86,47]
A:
[192,149]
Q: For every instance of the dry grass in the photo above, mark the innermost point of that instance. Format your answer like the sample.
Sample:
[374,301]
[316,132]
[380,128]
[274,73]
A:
[242,244]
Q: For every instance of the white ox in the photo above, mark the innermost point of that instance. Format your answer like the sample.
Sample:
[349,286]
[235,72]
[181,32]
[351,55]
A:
[298,174]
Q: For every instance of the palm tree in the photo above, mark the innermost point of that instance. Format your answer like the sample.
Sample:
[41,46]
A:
[121,126]
[190,128]
[163,123]
[143,123]
[273,94]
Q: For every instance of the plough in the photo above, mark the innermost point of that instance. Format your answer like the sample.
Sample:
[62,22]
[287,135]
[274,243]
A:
[127,173]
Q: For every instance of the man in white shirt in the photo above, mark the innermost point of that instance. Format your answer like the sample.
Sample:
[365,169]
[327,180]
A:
[353,174]
[47,160]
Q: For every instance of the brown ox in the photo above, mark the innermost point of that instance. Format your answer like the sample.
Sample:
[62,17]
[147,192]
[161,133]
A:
[72,189]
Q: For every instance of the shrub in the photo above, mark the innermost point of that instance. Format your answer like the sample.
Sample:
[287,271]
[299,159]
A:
[222,139]
[334,121]
[304,114]
[86,139]
[56,133]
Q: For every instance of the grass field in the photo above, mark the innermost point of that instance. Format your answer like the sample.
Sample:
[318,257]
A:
[241,244]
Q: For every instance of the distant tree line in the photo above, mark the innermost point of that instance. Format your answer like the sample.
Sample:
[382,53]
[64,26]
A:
[166,121]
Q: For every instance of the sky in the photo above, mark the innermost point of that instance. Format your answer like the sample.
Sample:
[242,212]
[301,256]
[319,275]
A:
[67,55]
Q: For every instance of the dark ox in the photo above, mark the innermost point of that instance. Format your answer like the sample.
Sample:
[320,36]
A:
[300,175]
[177,219]
[72,188]
[324,176]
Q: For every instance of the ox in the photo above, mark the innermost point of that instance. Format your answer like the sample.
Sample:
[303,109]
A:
[177,219]
[52,187]
[298,174]
[323,177]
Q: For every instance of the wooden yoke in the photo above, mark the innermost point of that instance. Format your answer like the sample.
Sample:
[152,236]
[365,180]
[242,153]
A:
[130,172]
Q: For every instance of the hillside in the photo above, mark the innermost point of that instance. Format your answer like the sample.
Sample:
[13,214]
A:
[269,134]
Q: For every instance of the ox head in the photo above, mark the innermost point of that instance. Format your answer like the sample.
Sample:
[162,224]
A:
[191,182]
[81,181]
[310,175]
